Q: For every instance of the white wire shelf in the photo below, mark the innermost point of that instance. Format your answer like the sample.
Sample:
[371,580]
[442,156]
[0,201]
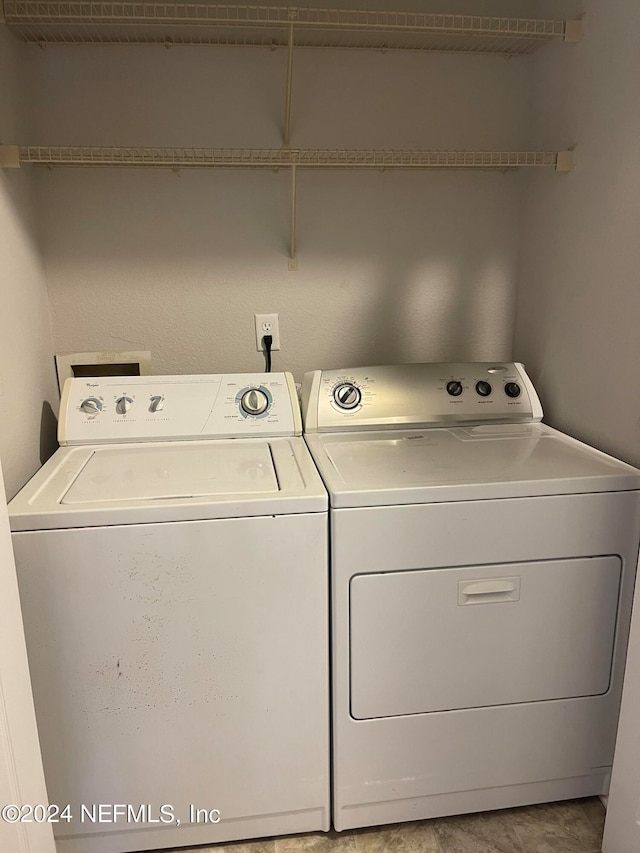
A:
[50,22]
[14,156]
[275,158]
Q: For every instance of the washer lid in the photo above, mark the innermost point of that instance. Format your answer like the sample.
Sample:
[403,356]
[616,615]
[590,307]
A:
[169,481]
[472,463]
[183,471]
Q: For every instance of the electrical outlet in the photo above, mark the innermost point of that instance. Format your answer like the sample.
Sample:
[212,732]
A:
[267,324]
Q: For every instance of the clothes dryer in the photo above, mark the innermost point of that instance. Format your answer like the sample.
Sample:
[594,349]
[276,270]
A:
[172,563]
[482,570]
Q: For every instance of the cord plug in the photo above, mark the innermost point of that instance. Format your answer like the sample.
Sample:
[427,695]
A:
[267,340]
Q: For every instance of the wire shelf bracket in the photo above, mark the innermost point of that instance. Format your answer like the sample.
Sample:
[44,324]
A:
[293,261]
[286,136]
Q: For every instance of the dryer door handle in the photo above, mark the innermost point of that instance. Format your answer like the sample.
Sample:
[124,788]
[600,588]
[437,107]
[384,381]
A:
[488,591]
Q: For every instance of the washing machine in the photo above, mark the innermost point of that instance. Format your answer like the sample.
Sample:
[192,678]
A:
[172,564]
[482,571]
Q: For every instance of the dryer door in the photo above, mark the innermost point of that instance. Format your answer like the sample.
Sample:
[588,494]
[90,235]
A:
[470,637]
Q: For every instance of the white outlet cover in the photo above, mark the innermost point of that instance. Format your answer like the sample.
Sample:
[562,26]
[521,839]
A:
[259,322]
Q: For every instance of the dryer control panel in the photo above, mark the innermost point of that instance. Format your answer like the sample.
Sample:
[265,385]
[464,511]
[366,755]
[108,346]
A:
[112,409]
[418,395]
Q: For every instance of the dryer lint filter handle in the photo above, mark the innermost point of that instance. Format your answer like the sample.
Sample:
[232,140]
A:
[418,395]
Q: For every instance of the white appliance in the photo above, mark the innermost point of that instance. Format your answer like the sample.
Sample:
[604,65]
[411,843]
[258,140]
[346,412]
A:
[482,571]
[172,563]
[622,827]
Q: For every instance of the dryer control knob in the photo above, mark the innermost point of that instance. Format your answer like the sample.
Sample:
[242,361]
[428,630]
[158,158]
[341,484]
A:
[454,388]
[254,402]
[347,396]
[483,388]
[123,404]
[512,389]
[91,406]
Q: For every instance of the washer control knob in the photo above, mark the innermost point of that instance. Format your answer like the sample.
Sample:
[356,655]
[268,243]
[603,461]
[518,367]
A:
[454,388]
[123,404]
[512,389]
[347,396]
[254,402]
[156,404]
[483,388]
[91,406]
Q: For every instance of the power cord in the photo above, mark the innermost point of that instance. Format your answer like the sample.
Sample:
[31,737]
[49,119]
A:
[267,340]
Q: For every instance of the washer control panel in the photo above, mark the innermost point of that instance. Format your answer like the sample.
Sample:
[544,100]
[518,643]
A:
[166,408]
[419,395]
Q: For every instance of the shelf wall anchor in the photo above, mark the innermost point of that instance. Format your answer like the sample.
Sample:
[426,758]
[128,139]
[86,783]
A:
[573,31]
[566,161]
[293,261]
[9,157]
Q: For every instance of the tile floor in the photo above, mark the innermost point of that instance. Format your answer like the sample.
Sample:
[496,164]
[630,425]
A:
[574,826]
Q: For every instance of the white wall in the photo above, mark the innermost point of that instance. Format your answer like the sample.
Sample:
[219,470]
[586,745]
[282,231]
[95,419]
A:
[392,267]
[28,391]
[578,315]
